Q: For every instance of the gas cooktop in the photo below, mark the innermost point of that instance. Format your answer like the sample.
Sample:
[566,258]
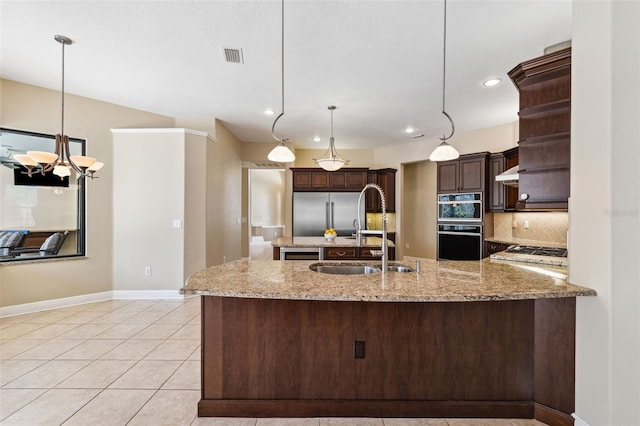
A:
[537,251]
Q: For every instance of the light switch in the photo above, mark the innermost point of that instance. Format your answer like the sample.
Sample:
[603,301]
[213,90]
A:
[177,223]
[526,224]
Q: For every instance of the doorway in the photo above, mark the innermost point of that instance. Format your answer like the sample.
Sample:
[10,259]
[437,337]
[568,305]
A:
[266,210]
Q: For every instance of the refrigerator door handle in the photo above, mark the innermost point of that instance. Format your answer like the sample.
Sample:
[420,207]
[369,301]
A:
[331,224]
[327,222]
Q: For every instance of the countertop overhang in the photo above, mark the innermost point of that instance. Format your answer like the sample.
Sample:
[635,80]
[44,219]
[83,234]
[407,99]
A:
[438,281]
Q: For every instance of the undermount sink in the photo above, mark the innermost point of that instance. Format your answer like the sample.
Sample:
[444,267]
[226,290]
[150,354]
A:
[344,269]
[399,268]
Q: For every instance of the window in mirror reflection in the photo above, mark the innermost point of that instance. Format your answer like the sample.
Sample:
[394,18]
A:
[41,216]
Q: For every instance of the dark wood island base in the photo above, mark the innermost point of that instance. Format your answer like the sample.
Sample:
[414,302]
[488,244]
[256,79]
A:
[307,358]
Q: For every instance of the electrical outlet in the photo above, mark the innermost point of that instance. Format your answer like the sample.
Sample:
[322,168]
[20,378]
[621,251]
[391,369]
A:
[147,271]
[406,245]
[514,224]
[177,223]
[526,224]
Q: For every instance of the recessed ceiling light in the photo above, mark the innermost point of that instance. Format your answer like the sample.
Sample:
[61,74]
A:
[269,112]
[409,130]
[492,82]
[317,139]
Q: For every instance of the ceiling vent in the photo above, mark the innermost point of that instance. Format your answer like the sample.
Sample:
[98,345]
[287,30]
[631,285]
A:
[262,165]
[233,56]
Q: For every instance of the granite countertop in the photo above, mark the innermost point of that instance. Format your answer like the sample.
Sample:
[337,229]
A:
[322,242]
[439,281]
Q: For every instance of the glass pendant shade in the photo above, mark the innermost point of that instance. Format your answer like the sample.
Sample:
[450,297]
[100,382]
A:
[95,166]
[82,161]
[444,152]
[25,160]
[331,164]
[281,154]
[42,157]
[62,170]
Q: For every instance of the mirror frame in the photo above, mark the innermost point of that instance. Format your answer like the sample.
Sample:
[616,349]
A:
[81,198]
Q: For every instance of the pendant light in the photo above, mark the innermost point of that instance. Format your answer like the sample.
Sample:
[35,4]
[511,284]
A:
[281,153]
[331,161]
[444,151]
[61,161]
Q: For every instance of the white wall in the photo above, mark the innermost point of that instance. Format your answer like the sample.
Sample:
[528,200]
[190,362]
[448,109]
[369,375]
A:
[267,196]
[604,224]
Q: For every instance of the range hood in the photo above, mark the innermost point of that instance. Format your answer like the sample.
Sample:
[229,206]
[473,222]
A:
[509,177]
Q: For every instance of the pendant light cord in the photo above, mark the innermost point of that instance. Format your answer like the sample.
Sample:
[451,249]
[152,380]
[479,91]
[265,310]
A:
[444,75]
[62,115]
[280,139]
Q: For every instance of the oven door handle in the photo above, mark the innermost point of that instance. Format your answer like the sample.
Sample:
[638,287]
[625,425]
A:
[470,234]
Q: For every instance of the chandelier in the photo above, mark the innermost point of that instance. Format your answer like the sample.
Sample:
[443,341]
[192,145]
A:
[281,153]
[331,161]
[444,151]
[61,161]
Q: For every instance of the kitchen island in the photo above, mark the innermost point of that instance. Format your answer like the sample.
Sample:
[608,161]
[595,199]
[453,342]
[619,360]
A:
[458,339]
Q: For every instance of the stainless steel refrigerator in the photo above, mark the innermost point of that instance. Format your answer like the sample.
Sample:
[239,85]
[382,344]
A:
[313,212]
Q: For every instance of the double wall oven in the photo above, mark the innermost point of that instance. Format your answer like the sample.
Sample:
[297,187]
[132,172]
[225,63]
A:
[460,219]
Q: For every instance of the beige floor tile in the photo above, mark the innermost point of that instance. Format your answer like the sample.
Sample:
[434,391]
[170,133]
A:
[526,422]
[11,348]
[112,317]
[195,320]
[81,317]
[174,349]
[51,408]
[98,374]
[17,318]
[47,375]
[287,422]
[50,331]
[49,349]
[414,422]
[146,375]
[479,422]
[165,306]
[168,407]
[144,317]
[188,331]
[18,329]
[49,317]
[132,349]
[111,407]
[14,368]
[348,421]
[86,331]
[157,331]
[11,400]
[179,317]
[196,355]
[186,377]
[90,349]
[121,331]
[223,421]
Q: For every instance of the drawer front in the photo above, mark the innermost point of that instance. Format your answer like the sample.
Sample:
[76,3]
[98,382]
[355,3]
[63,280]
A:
[341,253]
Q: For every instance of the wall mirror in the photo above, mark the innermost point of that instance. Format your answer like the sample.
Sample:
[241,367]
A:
[41,216]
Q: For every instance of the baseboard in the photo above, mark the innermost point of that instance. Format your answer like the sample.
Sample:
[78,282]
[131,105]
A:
[147,294]
[578,420]
[45,305]
[551,416]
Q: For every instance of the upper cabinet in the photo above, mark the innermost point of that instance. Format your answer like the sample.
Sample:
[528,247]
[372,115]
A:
[317,179]
[501,197]
[386,179]
[544,154]
[466,174]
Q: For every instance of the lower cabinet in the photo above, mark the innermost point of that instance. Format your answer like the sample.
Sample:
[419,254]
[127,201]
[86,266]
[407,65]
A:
[355,253]
[491,247]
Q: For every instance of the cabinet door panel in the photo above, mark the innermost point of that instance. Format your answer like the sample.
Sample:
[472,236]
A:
[496,189]
[448,176]
[544,188]
[472,175]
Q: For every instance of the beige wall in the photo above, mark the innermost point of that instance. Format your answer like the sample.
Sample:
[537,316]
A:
[26,107]
[418,210]
[267,197]
[604,209]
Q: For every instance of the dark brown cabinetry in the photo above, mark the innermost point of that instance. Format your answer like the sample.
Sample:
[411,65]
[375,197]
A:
[386,179]
[544,84]
[316,179]
[355,253]
[501,197]
[466,174]
[491,247]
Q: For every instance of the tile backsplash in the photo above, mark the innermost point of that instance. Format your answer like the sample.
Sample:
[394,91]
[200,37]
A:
[374,221]
[548,227]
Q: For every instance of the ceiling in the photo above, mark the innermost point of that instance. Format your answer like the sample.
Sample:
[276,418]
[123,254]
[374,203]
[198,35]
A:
[379,62]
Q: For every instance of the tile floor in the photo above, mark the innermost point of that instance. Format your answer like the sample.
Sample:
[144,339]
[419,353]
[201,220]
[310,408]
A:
[124,362]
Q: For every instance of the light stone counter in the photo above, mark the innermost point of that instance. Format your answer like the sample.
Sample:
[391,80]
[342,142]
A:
[525,242]
[322,242]
[439,281]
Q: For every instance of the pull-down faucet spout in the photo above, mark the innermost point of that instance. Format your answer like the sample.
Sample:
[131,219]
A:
[360,232]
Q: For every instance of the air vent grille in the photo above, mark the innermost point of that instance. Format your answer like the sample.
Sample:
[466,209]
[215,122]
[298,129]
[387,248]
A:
[233,56]
[262,165]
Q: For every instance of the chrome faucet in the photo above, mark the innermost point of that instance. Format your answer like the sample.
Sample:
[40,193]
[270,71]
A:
[384,252]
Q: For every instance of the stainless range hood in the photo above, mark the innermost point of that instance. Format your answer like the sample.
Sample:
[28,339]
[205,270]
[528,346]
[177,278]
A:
[509,177]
